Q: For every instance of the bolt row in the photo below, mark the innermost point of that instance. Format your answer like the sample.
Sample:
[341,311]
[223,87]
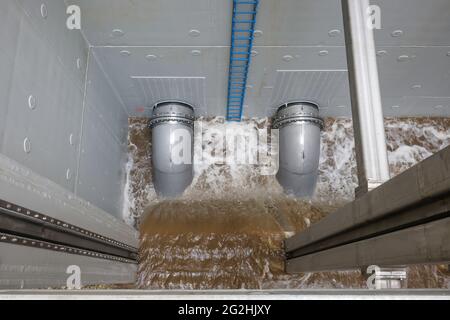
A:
[62,224]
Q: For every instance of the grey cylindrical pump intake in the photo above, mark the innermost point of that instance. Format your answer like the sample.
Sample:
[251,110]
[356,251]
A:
[299,147]
[172,126]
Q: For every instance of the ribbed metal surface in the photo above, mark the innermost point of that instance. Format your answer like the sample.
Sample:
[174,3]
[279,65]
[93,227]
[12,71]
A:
[318,86]
[193,38]
[187,89]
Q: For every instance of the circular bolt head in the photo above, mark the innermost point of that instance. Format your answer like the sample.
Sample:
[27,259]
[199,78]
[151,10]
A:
[194,33]
[71,139]
[334,33]
[44,11]
[125,53]
[27,145]
[151,57]
[68,174]
[32,102]
[397,33]
[258,33]
[118,33]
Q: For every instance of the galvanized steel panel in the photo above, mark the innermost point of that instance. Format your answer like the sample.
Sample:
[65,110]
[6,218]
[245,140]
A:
[32,268]
[291,35]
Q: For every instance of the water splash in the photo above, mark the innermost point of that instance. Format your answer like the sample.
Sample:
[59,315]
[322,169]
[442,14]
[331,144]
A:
[226,231]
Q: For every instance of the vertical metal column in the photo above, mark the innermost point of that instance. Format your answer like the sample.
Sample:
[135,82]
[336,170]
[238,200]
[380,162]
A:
[370,140]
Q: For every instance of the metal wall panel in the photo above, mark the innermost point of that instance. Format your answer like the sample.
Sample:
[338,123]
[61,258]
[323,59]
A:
[49,113]
[318,86]
[187,89]
[31,268]
[101,177]
[102,161]
[44,98]
[20,185]
[413,47]
[157,22]
[183,65]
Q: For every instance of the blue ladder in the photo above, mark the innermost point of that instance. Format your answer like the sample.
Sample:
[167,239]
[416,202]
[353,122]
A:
[243,28]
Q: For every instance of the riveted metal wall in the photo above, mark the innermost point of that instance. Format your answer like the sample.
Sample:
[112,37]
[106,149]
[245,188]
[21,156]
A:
[305,38]
[54,122]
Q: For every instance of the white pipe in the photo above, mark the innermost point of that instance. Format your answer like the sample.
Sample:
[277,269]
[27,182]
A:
[299,147]
[172,148]
[368,121]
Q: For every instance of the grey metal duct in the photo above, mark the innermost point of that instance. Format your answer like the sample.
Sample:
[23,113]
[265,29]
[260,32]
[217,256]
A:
[172,126]
[299,152]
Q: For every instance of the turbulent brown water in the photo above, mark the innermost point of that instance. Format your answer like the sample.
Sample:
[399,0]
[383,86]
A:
[227,230]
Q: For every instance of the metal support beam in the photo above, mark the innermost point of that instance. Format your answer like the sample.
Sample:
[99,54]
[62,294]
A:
[417,198]
[370,140]
[427,243]
[22,222]
[45,228]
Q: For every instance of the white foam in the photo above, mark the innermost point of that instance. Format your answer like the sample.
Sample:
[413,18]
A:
[409,142]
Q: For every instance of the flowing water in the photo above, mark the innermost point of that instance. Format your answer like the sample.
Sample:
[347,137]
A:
[227,230]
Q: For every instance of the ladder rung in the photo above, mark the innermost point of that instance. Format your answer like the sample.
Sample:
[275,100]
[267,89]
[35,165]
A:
[241,52]
[246,2]
[242,38]
[243,30]
[243,21]
[245,12]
